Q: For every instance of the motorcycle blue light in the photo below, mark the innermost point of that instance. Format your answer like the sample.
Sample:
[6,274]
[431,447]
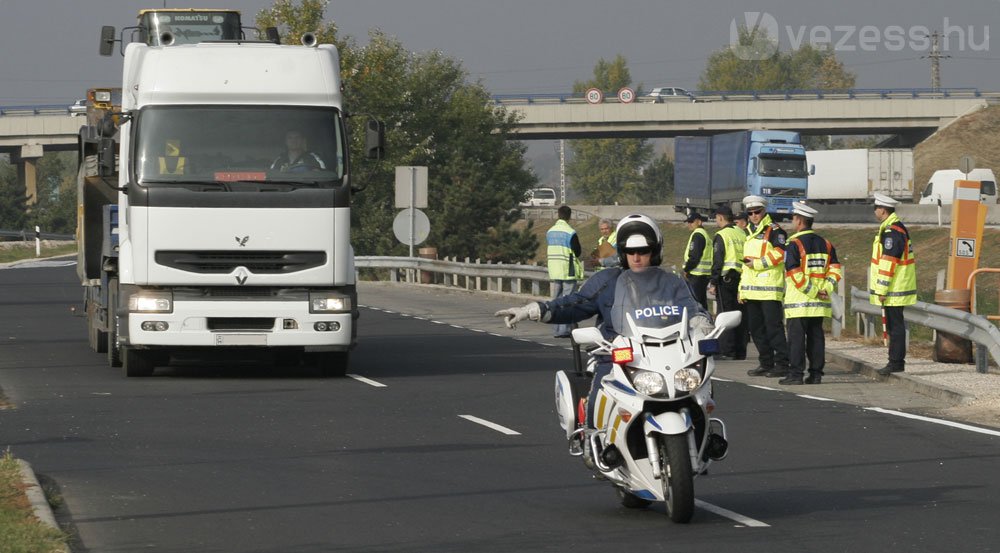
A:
[708,347]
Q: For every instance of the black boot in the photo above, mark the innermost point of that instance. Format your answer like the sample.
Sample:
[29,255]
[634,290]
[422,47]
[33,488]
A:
[759,371]
[814,378]
[791,380]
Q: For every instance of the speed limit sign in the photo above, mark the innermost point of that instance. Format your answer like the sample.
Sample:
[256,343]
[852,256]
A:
[626,95]
[595,96]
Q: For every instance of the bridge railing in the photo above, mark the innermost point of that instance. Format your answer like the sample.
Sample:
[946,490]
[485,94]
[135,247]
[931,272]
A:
[50,109]
[755,95]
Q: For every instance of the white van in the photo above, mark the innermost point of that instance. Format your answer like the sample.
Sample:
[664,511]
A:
[942,186]
[539,197]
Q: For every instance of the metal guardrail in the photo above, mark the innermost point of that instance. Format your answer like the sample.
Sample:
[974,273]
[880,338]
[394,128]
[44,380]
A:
[48,109]
[519,279]
[761,95]
[943,319]
[27,235]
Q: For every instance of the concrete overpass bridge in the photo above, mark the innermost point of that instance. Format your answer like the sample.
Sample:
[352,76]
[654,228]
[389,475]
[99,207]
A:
[26,133]
[910,115]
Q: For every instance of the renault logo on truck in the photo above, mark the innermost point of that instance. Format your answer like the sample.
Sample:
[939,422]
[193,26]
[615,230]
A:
[242,241]
[241,276]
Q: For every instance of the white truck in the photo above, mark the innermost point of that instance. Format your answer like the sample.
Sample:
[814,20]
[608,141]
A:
[199,235]
[852,176]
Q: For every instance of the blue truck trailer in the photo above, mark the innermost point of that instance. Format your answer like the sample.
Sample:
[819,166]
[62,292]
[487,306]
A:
[720,170]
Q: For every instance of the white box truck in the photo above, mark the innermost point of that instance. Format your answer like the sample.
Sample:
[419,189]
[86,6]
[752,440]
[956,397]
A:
[215,207]
[852,176]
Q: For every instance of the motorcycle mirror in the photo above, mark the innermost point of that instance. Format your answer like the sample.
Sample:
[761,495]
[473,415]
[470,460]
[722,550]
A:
[587,336]
[728,319]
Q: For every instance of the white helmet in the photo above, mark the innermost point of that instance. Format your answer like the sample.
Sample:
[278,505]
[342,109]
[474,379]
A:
[639,231]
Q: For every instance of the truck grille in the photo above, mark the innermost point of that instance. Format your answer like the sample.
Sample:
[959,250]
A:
[224,262]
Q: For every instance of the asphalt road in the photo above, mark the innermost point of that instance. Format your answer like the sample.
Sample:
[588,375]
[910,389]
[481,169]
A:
[244,457]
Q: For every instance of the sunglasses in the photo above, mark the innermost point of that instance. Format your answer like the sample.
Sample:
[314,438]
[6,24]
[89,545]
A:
[755,211]
[638,251]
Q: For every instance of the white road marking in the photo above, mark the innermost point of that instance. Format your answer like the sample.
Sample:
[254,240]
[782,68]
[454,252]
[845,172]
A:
[457,326]
[491,425]
[746,521]
[763,387]
[718,379]
[957,425]
[368,381]
[817,398]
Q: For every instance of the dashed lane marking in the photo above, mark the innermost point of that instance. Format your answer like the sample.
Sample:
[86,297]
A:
[367,381]
[491,425]
[731,515]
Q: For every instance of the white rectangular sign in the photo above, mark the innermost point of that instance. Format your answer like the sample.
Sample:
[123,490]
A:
[411,179]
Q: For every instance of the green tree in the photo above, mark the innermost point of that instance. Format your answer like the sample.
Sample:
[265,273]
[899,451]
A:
[12,200]
[657,182]
[55,210]
[756,63]
[434,117]
[608,170]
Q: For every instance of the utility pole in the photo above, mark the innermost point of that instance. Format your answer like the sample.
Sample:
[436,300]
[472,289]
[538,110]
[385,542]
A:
[562,171]
[935,57]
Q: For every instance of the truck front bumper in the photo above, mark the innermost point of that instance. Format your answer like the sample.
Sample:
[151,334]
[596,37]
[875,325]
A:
[241,324]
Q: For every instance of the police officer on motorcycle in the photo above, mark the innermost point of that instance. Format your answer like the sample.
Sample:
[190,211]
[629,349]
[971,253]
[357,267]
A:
[638,281]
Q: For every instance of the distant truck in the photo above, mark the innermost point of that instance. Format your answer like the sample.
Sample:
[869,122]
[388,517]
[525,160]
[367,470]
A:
[852,176]
[720,170]
[940,190]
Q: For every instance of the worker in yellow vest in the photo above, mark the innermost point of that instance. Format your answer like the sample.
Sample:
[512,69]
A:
[762,287]
[172,162]
[812,273]
[698,258]
[727,264]
[892,278]
[606,253]
[563,257]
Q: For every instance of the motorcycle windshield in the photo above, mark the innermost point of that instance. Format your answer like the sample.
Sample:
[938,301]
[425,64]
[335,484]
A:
[653,298]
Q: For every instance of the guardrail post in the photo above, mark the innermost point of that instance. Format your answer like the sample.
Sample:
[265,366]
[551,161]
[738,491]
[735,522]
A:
[500,280]
[479,281]
[982,359]
[837,327]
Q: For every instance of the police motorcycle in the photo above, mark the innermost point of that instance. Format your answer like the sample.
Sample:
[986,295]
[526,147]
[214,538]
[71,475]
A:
[652,432]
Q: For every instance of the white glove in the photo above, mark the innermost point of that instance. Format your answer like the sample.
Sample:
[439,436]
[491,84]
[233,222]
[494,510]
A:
[701,326]
[514,315]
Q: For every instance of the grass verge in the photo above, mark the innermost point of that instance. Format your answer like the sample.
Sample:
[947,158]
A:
[20,531]
[18,251]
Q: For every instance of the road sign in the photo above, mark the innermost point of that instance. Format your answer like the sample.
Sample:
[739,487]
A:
[966,164]
[595,96]
[411,183]
[626,95]
[411,219]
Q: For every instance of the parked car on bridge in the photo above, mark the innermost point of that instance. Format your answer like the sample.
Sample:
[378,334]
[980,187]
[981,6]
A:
[668,94]
[539,197]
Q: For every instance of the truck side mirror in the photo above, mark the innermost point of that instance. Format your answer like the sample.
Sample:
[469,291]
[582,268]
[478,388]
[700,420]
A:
[107,40]
[272,35]
[375,139]
[812,169]
[106,158]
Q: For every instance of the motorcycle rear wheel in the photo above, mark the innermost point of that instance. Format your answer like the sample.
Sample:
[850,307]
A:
[677,477]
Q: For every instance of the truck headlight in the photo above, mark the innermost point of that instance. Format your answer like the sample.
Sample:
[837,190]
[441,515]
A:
[328,303]
[151,301]
[648,382]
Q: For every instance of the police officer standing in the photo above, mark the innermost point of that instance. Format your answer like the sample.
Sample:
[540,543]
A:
[563,258]
[762,287]
[892,278]
[727,264]
[812,272]
[698,258]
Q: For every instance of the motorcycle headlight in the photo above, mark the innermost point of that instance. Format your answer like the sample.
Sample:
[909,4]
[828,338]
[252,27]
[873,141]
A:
[687,380]
[648,382]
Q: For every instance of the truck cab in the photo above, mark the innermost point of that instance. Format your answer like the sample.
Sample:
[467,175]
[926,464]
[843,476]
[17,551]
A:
[777,170]
[940,189]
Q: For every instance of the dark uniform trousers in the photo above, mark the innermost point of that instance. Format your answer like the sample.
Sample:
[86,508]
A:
[733,342]
[699,287]
[767,328]
[896,328]
[806,341]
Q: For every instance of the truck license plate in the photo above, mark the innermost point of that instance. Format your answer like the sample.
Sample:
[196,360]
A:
[241,339]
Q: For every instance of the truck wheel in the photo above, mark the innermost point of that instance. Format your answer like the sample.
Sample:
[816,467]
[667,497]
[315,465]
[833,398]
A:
[113,349]
[97,339]
[137,362]
[333,364]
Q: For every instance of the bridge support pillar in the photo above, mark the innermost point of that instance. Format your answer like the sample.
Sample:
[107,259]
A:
[27,170]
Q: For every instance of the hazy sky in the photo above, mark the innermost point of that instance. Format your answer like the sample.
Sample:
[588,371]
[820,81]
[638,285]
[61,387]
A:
[49,47]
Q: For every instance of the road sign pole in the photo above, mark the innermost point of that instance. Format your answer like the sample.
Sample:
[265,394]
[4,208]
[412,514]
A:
[413,207]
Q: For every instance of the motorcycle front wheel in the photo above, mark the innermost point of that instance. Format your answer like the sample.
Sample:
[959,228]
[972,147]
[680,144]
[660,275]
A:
[678,478]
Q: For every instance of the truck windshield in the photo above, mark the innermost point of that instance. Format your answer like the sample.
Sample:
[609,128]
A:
[783,167]
[212,145]
[189,26]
